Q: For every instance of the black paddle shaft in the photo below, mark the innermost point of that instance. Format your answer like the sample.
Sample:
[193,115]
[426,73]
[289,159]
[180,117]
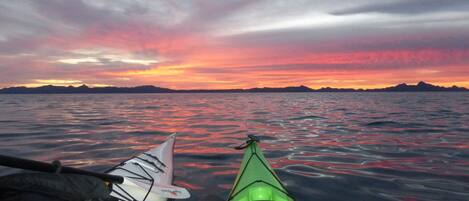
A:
[47,167]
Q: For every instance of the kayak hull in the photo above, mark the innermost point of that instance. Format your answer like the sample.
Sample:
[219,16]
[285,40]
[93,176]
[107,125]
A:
[146,171]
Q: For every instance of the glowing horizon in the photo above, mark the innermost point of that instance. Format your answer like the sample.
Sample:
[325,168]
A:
[234,44]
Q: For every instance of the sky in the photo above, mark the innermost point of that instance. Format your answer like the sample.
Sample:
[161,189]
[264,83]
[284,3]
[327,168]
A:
[210,44]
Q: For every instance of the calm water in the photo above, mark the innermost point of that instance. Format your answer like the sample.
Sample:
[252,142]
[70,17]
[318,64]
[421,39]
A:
[324,146]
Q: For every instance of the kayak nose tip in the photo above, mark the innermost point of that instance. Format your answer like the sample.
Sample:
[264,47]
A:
[173,135]
[260,194]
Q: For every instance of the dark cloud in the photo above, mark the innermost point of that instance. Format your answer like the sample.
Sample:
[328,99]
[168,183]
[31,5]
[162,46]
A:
[72,12]
[81,14]
[207,11]
[20,46]
[408,7]
[358,38]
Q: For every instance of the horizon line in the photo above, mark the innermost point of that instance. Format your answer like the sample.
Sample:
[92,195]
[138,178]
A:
[92,86]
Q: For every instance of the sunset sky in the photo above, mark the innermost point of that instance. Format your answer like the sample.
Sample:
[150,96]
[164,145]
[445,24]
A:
[215,44]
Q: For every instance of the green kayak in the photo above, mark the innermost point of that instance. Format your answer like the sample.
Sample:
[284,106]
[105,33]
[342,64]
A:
[256,180]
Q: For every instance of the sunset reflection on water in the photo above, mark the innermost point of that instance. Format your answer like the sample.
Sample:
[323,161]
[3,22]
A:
[330,146]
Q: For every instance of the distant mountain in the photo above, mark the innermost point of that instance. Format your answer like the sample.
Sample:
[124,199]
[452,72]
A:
[421,86]
[49,89]
[285,89]
[252,90]
[329,89]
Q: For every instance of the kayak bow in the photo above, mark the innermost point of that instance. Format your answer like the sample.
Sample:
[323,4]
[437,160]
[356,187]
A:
[256,180]
[148,176]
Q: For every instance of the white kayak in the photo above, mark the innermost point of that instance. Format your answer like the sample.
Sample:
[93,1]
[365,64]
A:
[148,176]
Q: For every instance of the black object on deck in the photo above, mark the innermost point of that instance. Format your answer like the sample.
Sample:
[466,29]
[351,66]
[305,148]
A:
[53,187]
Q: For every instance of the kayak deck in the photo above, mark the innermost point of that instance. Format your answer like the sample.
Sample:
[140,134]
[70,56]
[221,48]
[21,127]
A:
[256,180]
[147,170]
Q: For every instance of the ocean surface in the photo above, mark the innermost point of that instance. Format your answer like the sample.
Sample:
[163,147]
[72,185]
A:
[324,146]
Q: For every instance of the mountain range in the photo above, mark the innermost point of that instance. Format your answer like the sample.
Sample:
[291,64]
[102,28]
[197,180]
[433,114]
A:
[50,89]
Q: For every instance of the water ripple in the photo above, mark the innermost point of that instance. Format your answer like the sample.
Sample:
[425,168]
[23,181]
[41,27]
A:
[328,146]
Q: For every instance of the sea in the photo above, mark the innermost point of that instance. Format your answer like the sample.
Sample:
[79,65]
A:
[323,146]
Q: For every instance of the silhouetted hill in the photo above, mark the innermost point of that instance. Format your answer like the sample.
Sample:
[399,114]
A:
[285,89]
[49,89]
[421,86]
[329,89]
[252,90]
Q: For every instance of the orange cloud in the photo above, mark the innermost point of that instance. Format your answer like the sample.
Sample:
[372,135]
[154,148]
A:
[229,68]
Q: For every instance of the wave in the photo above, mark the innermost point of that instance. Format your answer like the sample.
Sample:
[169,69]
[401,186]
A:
[309,117]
